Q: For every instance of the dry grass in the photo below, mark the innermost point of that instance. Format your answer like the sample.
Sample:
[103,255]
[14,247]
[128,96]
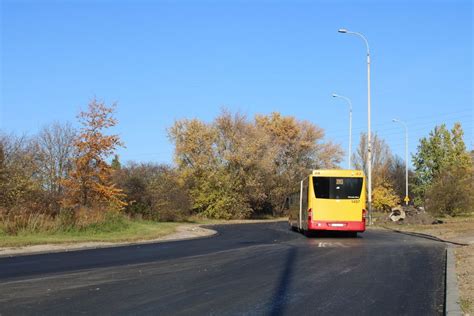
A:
[15,223]
[25,228]
[459,229]
[135,230]
[465,272]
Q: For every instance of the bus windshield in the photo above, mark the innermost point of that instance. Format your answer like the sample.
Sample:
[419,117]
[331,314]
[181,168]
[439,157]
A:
[337,187]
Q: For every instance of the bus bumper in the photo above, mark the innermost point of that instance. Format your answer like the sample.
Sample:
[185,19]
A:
[338,226]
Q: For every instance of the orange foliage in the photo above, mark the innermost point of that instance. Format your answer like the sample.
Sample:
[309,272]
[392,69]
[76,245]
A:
[89,182]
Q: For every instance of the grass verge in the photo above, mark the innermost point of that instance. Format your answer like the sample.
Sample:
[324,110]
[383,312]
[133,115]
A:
[129,230]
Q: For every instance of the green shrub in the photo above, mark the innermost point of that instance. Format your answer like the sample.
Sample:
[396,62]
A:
[113,221]
[154,192]
[66,220]
[451,193]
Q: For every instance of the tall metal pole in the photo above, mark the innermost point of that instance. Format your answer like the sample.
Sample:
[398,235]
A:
[350,135]
[406,166]
[407,199]
[369,144]
[350,125]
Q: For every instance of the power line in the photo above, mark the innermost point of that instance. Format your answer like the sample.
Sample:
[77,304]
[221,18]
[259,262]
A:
[389,131]
[444,116]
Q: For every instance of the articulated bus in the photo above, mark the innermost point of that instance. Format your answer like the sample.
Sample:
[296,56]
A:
[329,200]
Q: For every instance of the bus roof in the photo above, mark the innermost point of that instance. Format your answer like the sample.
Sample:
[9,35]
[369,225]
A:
[338,173]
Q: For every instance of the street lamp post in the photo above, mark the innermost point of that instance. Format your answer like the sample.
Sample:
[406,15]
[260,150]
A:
[407,199]
[369,145]
[334,95]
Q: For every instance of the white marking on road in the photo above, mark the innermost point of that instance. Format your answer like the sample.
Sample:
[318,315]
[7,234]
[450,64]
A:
[323,244]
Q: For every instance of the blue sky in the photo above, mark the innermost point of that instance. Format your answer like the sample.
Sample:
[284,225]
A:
[167,60]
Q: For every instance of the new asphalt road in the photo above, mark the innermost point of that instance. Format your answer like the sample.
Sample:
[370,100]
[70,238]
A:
[251,269]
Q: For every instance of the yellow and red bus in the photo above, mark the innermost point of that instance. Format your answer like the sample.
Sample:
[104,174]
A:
[329,200]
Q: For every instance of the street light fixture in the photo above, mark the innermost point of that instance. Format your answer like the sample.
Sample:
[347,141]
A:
[334,95]
[369,145]
[407,199]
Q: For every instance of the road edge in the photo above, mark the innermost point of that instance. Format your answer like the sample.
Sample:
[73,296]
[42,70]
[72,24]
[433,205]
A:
[100,245]
[452,303]
[422,235]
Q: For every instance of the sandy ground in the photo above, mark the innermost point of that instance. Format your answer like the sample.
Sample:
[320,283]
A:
[460,230]
[185,231]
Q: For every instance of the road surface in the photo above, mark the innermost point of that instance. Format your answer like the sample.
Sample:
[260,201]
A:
[251,269]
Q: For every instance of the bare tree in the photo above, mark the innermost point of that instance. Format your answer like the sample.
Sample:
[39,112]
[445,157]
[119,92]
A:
[397,176]
[55,151]
[381,158]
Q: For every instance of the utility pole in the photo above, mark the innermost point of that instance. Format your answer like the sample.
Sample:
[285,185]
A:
[334,95]
[369,144]
[407,199]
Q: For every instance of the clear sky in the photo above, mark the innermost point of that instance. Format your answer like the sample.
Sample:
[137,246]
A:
[167,60]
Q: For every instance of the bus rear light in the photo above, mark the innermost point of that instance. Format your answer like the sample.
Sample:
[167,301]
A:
[364,214]
[309,214]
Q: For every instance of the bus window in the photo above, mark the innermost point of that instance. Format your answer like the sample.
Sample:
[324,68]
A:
[337,188]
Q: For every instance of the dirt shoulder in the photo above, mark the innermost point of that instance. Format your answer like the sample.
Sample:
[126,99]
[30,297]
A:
[459,230]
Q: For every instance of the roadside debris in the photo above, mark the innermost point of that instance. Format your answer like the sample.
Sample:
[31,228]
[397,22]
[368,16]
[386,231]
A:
[409,215]
[397,214]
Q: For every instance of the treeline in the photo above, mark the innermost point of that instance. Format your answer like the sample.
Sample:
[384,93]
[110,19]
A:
[442,178]
[444,172]
[232,167]
[60,178]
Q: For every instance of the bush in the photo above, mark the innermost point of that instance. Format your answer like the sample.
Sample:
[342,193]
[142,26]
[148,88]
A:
[384,197]
[154,192]
[451,193]
[112,221]
[220,197]
[66,219]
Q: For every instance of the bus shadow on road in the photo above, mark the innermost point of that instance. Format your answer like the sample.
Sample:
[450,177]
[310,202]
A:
[280,294]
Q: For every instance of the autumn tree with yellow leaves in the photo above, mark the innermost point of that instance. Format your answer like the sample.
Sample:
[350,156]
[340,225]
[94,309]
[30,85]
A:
[90,180]
[236,167]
